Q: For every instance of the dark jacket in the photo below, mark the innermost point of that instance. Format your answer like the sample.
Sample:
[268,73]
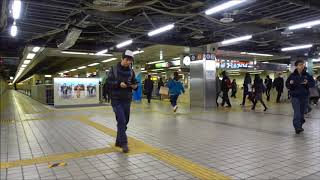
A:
[125,75]
[247,80]
[160,84]
[148,85]
[297,89]
[278,83]
[225,84]
[268,83]
[258,86]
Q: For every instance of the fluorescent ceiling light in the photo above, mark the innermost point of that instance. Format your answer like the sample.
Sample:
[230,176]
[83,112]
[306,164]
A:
[155,62]
[224,6]
[265,62]
[82,67]
[31,55]
[23,65]
[305,25]
[142,69]
[238,39]
[108,60]
[26,61]
[297,47]
[102,51]
[16,9]
[36,49]
[13,30]
[73,69]
[256,54]
[161,30]
[72,52]
[93,64]
[316,60]
[66,71]
[48,76]
[157,70]
[137,52]
[125,43]
[11,77]
[174,68]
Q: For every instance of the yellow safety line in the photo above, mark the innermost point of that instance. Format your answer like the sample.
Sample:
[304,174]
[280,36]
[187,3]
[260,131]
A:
[56,157]
[137,147]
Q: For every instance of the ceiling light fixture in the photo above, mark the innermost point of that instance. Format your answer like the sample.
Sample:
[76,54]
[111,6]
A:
[224,6]
[309,24]
[26,61]
[297,47]
[48,76]
[14,30]
[155,62]
[73,69]
[161,30]
[257,54]
[66,71]
[16,9]
[316,60]
[11,77]
[82,67]
[108,60]
[36,49]
[137,52]
[72,52]
[238,39]
[23,65]
[102,52]
[31,55]
[125,43]
[93,64]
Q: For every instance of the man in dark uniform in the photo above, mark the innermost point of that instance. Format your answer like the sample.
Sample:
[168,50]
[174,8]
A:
[121,81]
[225,87]
[278,83]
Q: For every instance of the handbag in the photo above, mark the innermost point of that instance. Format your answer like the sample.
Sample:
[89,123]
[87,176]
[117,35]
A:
[164,91]
[314,92]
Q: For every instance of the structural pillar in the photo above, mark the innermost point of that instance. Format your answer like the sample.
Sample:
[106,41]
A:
[203,79]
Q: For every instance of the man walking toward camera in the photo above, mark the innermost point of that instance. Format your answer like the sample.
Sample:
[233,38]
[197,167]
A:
[299,83]
[121,80]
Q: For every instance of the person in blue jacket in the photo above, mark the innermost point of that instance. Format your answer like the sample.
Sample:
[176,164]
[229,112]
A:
[299,83]
[175,89]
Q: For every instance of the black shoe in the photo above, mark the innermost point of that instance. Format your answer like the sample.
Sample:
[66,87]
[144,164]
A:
[118,145]
[265,109]
[298,131]
[303,121]
[125,149]
[252,108]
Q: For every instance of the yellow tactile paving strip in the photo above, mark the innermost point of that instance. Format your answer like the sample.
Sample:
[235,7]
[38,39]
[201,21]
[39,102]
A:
[136,147]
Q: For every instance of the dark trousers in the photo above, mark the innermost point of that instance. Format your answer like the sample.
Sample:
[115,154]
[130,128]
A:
[225,98]
[258,98]
[299,105]
[245,94]
[149,94]
[278,96]
[268,93]
[122,112]
[173,100]
[233,94]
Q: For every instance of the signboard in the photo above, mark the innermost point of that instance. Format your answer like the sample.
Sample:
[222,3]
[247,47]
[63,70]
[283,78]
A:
[271,67]
[76,91]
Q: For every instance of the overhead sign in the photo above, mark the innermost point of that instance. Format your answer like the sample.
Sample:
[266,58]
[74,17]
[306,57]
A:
[271,67]
[234,64]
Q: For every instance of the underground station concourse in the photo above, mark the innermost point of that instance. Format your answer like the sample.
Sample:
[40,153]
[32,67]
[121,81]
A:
[63,100]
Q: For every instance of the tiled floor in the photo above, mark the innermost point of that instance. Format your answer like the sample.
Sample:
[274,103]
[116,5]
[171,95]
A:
[238,143]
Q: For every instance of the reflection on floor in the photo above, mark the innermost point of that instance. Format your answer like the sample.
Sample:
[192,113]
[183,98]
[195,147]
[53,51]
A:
[234,143]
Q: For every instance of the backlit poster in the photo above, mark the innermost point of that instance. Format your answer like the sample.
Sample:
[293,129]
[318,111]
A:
[76,91]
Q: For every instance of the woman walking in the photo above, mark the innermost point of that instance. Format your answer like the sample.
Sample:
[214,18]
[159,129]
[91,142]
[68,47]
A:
[175,89]
[258,88]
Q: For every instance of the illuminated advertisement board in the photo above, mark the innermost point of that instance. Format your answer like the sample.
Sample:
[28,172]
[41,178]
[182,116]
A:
[76,91]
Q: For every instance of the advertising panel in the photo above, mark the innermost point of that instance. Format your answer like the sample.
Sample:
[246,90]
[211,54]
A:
[76,91]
